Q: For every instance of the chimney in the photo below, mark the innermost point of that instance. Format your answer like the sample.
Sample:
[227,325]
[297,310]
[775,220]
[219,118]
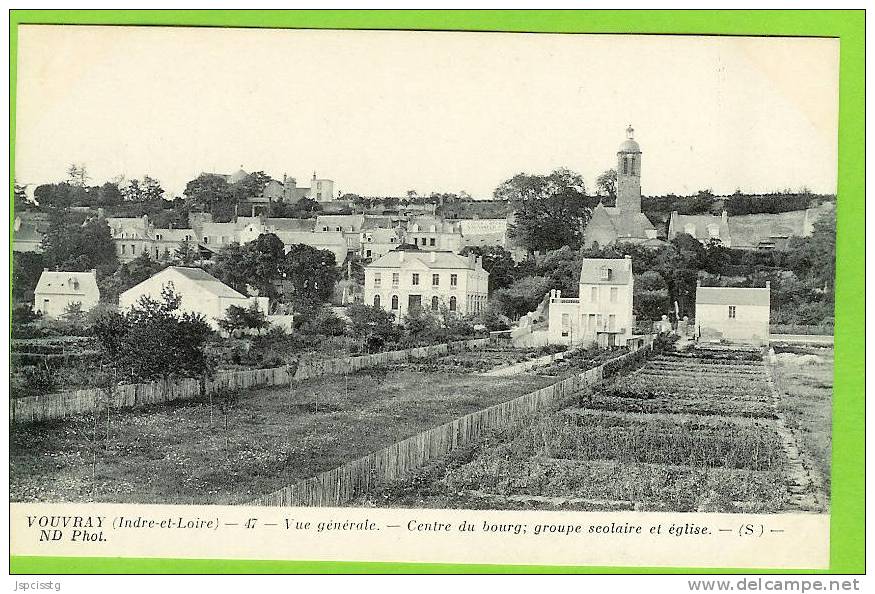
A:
[699,283]
[431,256]
[627,257]
[400,255]
[471,260]
[478,261]
[769,285]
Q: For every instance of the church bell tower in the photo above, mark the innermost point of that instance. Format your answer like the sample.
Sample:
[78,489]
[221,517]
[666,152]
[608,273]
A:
[629,174]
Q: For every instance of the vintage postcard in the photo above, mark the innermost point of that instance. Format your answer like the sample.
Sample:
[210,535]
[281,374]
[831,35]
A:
[421,296]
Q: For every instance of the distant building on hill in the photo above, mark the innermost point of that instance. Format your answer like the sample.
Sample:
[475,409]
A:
[57,290]
[733,314]
[703,227]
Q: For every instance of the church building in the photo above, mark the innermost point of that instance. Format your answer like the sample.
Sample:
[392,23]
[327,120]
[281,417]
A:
[624,222]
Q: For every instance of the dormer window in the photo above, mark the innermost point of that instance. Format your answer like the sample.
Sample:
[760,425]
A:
[607,273]
[714,230]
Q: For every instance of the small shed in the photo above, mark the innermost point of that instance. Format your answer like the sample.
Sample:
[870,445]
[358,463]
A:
[733,314]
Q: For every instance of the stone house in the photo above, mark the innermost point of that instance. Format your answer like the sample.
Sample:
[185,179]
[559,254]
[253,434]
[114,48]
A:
[408,277]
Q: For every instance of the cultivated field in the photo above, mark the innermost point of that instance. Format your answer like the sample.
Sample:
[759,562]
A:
[233,450]
[693,431]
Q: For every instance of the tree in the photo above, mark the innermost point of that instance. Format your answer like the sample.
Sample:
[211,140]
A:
[374,325]
[550,211]
[250,186]
[497,261]
[19,197]
[27,267]
[110,195]
[311,272]
[154,339]
[70,246]
[134,191]
[522,296]
[651,299]
[152,190]
[243,318]
[213,194]
[77,175]
[259,263]
[128,275]
[606,186]
[186,253]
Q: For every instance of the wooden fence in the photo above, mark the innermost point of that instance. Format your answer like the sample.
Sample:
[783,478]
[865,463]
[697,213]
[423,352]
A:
[65,404]
[340,485]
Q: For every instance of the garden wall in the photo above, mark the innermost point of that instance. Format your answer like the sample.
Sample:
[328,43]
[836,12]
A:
[338,486]
[62,405]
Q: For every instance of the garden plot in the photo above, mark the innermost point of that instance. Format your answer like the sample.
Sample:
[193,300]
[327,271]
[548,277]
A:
[231,450]
[696,431]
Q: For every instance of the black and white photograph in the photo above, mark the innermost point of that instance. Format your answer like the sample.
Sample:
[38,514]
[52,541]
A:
[423,270]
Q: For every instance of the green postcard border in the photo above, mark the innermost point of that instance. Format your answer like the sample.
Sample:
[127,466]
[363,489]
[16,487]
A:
[847,531]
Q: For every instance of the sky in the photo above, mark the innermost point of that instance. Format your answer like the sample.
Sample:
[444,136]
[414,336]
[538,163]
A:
[384,112]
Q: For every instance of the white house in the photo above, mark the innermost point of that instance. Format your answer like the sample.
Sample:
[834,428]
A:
[408,277]
[199,291]
[602,314]
[733,314]
[56,290]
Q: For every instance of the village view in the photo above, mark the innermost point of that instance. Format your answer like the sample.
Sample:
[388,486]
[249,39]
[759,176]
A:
[552,346]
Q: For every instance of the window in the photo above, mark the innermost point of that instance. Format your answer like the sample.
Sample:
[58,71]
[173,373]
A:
[394,302]
[224,239]
[133,249]
[594,294]
[625,165]
[566,323]
[415,241]
[452,304]
[415,279]
[454,280]
[376,301]
[431,242]
[206,240]
[731,312]
[158,237]
[614,294]
[367,253]
[394,279]
[434,303]
[607,273]
[591,323]
[377,279]
[124,249]
[612,323]
[435,280]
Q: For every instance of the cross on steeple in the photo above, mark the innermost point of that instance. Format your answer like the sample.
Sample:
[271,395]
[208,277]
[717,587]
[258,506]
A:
[630,132]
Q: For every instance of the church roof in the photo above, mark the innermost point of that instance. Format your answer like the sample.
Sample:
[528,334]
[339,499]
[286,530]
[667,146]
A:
[628,224]
[629,146]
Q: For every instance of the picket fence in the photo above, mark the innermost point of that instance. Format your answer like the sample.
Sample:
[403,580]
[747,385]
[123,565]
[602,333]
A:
[340,485]
[65,404]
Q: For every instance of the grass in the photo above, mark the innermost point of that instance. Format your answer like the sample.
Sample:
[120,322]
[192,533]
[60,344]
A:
[804,382]
[236,450]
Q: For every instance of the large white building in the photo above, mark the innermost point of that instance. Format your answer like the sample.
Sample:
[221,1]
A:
[602,313]
[733,314]
[199,292]
[57,290]
[407,278]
